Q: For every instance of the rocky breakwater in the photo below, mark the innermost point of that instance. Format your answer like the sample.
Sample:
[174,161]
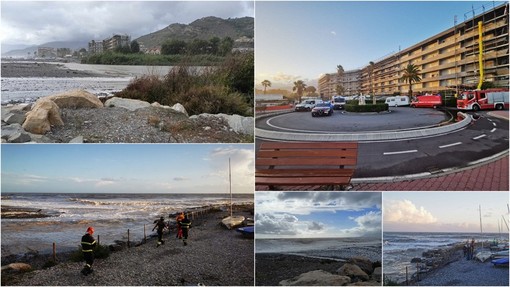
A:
[434,259]
[80,117]
[358,271]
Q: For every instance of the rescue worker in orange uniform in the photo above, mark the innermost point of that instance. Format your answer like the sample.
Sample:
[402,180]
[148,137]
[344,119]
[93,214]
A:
[88,243]
[178,219]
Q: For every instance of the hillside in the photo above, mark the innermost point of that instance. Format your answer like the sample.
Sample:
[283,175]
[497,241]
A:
[76,45]
[203,29]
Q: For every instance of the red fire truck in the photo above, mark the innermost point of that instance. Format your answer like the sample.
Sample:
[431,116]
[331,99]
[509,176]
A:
[483,100]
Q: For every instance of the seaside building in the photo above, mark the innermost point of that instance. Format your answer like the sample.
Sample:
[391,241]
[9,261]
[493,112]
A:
[447,61]
[109,44]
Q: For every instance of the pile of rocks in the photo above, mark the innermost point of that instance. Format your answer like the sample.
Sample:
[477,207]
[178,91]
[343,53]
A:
[435,259]
[79,116]
[358,271]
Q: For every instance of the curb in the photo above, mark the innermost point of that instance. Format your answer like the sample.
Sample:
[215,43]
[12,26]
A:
[364,137]
[424,175]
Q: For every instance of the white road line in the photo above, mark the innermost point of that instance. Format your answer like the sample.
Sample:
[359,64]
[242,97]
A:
[450,145]
[493,130]
[489,120]
[493,123]
[480,136]
[400,152]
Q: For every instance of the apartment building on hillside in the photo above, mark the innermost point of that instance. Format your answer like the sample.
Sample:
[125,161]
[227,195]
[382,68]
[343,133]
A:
[447,61]
[109,44]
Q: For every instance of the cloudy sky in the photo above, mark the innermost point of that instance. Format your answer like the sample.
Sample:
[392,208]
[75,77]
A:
[300,40]
[444,211]
[38,22]
[317,214]
[127,168]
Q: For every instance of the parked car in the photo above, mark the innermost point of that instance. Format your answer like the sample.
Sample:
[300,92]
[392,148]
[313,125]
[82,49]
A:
[306,105]
[427,101]
[322,109]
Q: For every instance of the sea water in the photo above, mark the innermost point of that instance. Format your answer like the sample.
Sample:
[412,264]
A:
[340,249]
[399,248]
[110,214]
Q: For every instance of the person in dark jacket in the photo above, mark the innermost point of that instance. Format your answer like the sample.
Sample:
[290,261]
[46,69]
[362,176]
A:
[160,225]
[88,243]
[185,225]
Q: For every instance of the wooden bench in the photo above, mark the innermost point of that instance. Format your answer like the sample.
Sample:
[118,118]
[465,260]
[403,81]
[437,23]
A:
[305,163]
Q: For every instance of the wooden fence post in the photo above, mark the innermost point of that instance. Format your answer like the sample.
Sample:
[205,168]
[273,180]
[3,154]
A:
[98,240]
[129,245]
[407,278]
[54,252]
[144,234]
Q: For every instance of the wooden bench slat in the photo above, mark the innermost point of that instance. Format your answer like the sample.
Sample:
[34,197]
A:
[343,180]
[305,161]
[307,153]
[304,172]
[307,145]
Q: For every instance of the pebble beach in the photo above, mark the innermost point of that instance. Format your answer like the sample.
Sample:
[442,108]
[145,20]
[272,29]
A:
[213,256]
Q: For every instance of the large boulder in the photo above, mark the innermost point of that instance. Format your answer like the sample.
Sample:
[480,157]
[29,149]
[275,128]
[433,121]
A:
[316,278]
[10,130]
[353,271]
[239,124]
[128,104]
[43,115]
[17,267]
[180,108]
[76,99]
[362,262]
[14,118]
[377,275]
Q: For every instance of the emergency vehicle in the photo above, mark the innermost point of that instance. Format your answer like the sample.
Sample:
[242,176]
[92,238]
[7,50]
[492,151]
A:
[483,100]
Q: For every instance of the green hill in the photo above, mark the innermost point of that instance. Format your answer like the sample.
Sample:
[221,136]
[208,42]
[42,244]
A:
[203,29]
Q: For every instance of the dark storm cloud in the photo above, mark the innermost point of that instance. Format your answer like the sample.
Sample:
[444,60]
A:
[33,23]
[341,200]
[267,223]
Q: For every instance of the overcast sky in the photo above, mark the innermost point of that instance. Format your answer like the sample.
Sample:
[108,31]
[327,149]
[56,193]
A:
[444,211]
[38,22]
[127,168]
[318,214]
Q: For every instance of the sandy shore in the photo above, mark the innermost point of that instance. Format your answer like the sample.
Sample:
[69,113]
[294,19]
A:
[213,256]
[35,69]
[466,273]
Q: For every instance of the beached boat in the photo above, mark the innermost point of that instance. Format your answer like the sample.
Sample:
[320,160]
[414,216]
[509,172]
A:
[500,254]
[483,255]
[500,262]
[231,221]
[248,231]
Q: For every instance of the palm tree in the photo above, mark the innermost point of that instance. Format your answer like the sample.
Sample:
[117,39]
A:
[266,83]
[299,87]
[411,75]
[371,75]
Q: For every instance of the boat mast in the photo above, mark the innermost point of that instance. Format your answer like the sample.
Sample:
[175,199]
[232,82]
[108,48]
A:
[230,186]
[481,230]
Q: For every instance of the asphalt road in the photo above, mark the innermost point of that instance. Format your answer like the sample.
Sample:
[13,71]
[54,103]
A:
[485,137]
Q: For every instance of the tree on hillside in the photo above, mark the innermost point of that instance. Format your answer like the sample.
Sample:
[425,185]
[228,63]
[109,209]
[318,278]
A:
[215,45]
[226,46]
[266,83]
[174,47]
[135,47]
[299,87]
[411,74]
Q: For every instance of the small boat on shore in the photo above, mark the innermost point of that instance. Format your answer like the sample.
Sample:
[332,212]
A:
[248,231]
[500,254]
[232,220]
[500,262]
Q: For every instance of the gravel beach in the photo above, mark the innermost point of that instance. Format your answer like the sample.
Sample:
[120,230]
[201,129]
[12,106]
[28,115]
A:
[466,273]
[35,69]
[213,256]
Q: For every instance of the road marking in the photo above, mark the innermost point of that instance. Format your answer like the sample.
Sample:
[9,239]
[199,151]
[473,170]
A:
[493,130]
[400,152]
[450,145]
[489,120]
[479,137]
[493,123]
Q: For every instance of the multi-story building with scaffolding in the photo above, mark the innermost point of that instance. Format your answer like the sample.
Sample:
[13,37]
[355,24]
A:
[350,81]
[446,61]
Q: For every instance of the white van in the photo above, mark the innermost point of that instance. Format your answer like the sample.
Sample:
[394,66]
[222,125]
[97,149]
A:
[397,101]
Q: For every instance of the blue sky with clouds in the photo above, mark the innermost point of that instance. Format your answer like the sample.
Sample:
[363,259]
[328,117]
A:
[318,214]
[299,40]
[153,168]
[444,211]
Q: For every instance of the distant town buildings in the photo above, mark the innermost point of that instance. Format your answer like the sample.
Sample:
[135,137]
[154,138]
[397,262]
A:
[447,61]
[109,44]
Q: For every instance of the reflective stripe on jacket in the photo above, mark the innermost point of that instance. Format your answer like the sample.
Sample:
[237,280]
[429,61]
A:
[87,243]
